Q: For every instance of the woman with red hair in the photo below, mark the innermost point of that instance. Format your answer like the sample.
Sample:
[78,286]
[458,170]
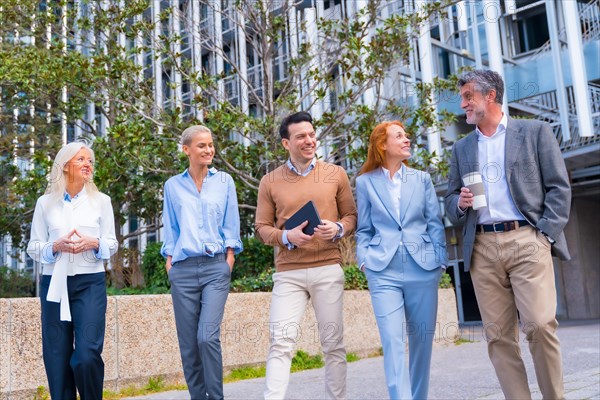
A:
[400,245]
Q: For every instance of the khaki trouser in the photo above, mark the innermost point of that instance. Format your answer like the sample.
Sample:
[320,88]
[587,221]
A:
[513,271]
[324,286]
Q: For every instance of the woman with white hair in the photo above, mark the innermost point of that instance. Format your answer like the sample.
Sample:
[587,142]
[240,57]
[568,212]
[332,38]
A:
[201,237]
[72,233]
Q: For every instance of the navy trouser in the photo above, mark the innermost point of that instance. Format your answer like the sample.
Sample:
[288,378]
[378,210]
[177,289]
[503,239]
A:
[72,349]
[199,288]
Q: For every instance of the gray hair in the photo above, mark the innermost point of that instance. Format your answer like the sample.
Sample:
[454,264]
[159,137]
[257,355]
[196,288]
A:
[57,183]
[484,81]
[188,134]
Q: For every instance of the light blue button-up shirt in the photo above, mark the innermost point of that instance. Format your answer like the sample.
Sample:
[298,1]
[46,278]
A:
[201,223]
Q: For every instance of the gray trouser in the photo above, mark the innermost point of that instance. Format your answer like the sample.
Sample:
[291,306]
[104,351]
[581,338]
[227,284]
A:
[199,288]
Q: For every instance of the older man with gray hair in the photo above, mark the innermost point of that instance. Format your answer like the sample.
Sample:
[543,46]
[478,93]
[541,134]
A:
[508,244]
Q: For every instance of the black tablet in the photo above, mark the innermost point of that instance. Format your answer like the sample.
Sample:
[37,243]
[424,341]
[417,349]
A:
[309,213]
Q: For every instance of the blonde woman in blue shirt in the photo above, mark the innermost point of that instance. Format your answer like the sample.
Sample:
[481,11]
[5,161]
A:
[201,237]
[72,233]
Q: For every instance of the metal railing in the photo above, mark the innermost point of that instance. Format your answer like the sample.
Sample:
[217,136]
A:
[231,85]
[589,15]
[546,105]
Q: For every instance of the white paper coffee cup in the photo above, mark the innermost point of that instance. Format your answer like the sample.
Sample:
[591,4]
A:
[474,182]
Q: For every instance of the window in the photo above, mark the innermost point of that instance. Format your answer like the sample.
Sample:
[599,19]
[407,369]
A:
[331,3]
[530,28]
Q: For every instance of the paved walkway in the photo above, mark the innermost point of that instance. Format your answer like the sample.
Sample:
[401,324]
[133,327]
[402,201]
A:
[458,372]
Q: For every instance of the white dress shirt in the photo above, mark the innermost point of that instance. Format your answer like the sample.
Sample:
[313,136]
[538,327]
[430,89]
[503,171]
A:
[394,186]
[491,152]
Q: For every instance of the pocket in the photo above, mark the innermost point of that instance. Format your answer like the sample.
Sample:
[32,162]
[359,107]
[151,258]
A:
[375,240]
[89,230]
[170,272]
[542,239]
[213,211]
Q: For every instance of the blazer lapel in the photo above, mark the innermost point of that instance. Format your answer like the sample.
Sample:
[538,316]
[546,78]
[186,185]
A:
[471,150]
[513,140]
[406,190]
[381,190]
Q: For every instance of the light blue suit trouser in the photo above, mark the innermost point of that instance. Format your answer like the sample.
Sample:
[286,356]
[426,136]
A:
[405,298]
[199,288]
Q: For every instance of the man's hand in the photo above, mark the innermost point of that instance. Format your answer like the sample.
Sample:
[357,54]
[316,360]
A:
[297,237]
[327,230]
[465,199]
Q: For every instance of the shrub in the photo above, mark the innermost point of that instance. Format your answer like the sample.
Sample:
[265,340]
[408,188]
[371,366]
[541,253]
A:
[262,282]
[355,279]
[113,291]
[445,281]
[153,268]
[254,260]
[302,361]
[15,284]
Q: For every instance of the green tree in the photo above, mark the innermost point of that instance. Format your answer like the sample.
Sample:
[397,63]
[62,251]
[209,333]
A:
[89,61]
[15,284]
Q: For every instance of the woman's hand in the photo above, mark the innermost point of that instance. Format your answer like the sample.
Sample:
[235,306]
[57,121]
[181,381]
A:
[84,243]
[65,244]
[168,264]
[230,259]
[75,243]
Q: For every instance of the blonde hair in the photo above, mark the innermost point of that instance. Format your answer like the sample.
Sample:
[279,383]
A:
[188,134]
[57,184]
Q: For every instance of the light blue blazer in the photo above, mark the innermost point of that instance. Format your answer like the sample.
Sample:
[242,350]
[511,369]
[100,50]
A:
[418,228]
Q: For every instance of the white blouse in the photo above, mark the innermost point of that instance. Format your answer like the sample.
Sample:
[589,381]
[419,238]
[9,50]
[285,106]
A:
[90,216]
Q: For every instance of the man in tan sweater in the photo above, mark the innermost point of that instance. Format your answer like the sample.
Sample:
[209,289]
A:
[307,266]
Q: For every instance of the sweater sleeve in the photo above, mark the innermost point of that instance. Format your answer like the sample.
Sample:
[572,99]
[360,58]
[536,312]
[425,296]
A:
[264,223]
[346,204]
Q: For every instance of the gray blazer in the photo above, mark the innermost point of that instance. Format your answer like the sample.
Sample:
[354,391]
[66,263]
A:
[537,179]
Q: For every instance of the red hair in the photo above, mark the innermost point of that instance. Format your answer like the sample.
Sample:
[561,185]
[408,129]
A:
[376,153]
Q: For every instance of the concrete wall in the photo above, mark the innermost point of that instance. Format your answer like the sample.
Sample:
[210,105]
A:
[141,340]
[578,278]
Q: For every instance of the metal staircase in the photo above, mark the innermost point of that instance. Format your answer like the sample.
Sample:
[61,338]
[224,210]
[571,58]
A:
[589,14]
[545,107]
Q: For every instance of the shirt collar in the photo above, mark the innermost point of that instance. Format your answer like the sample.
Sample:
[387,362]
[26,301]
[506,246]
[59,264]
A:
[386,173]
[211,172]
[501,128]
[310,167]
[67,197]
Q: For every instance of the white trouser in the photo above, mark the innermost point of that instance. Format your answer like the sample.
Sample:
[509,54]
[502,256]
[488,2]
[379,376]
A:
[324,286]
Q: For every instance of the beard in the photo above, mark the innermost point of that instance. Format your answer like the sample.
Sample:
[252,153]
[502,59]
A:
[476,116]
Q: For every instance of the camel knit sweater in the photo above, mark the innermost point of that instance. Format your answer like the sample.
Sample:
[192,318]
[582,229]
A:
[282,192]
